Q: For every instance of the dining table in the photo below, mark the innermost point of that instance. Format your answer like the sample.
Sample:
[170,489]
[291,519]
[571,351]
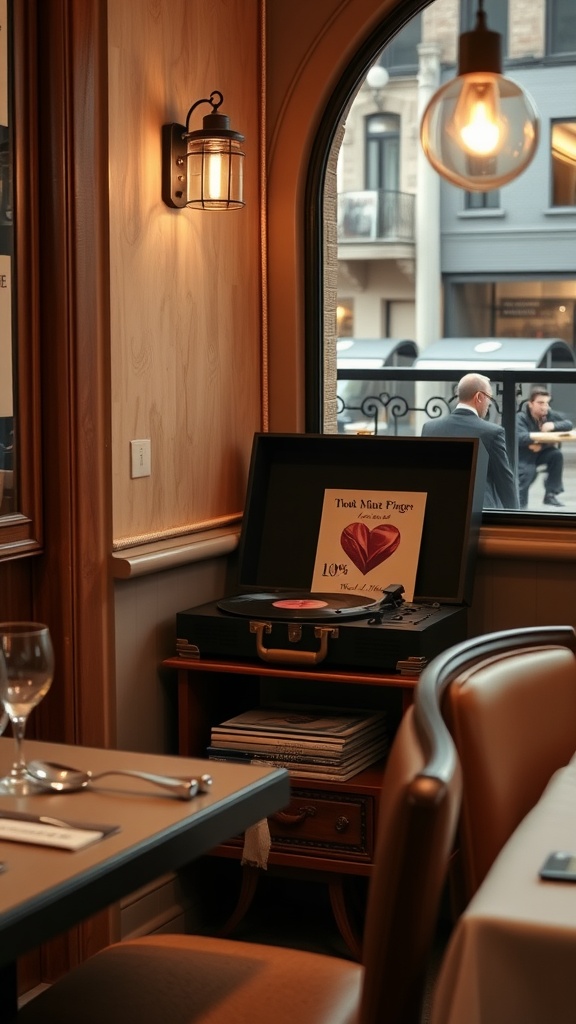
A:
[553,437]
[130,831]
[511,958]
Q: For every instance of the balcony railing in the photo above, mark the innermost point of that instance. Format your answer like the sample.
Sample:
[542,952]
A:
[395,401]
[376,216]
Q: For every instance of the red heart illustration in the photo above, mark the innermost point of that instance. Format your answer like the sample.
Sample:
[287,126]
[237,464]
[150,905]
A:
[368,548]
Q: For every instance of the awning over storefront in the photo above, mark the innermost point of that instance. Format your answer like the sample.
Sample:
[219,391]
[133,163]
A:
[374,353]
[363,404]
[484,354]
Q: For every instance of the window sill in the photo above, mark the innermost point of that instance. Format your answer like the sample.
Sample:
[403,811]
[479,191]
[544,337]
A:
[533,544]
[481,214]
[560,211]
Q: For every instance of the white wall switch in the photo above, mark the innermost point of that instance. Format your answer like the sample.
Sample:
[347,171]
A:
[141,458]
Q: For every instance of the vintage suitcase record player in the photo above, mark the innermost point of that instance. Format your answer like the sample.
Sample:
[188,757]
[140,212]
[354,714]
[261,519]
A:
[274,616]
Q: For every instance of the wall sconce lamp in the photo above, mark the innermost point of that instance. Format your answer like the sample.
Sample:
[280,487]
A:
[480,130]
[203,169]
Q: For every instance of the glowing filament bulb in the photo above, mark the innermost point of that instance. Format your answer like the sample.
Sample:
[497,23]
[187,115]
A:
[481,135]
[477,119]
[215,190]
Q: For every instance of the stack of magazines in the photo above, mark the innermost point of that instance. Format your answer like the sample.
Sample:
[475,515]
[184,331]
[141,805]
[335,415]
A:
[312,742]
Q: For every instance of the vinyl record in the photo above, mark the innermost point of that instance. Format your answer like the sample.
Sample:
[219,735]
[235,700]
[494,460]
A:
[299,605]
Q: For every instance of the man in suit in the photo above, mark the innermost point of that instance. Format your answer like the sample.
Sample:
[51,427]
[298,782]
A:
[468,420]
[538,418]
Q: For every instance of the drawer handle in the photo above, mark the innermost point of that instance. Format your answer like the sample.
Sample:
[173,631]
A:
[294,819]
[342,824]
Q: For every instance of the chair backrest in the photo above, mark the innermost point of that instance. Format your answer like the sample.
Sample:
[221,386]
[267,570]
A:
[417,820]
[509,700]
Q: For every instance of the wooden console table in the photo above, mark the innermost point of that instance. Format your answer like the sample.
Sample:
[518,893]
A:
[329,827]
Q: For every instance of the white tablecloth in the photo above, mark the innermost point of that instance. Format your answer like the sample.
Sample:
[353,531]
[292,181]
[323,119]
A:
[512,956]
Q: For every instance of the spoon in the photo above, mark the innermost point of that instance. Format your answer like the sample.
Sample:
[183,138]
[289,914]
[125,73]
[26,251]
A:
[61,779]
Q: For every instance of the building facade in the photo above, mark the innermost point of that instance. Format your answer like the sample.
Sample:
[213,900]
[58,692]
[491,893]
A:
[407,239]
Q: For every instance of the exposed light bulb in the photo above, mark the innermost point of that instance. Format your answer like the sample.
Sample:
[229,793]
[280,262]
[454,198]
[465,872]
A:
[477,118]
[214,176]
[480,130]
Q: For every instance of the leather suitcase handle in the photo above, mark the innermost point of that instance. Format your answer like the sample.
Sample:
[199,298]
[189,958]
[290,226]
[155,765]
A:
[276,655]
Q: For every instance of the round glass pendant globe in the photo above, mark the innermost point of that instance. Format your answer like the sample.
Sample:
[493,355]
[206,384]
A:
[480,131]
[377,77]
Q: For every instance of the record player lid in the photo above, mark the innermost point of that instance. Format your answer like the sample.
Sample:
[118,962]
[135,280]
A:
[290,472]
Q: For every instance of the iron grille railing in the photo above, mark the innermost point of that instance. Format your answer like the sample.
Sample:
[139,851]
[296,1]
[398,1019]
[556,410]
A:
[389,400]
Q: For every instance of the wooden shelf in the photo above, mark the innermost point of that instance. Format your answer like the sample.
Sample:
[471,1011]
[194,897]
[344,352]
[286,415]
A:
[329,827]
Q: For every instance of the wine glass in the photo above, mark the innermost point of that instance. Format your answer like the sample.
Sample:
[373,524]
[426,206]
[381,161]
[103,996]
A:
[26,670]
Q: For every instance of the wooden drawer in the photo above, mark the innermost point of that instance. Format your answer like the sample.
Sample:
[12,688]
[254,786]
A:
[325,824]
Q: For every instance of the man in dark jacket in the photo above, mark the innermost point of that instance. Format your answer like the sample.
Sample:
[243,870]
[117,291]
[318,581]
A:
[468,420]
[538,418]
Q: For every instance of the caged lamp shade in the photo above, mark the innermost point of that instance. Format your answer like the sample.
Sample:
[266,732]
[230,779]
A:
[203,169]
[480,130]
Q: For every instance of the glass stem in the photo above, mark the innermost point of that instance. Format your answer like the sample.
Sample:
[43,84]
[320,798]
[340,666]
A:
[18,729]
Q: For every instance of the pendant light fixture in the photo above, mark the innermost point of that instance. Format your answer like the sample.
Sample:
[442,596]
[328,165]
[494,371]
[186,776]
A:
[480,130]
[203,169]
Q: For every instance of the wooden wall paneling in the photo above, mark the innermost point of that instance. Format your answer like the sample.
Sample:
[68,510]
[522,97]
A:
[512,593]
[186,285]
[16,599]
[72,588]
[72,581]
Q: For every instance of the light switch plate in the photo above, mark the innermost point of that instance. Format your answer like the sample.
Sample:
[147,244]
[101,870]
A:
[141,458]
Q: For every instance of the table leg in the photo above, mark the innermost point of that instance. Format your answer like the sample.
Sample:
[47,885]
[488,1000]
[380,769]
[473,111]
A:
[340,910]
[249,884]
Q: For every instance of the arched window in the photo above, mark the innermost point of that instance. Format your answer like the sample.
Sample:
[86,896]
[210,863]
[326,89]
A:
[342,285]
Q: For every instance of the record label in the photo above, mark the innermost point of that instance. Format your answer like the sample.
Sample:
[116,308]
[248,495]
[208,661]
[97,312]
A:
[305,602]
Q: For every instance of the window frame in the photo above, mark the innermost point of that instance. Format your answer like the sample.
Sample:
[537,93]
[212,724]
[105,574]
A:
[553,32]
[330,125]
[555,122]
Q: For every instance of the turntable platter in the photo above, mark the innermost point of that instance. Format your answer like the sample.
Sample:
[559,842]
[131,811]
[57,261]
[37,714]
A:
[300,606]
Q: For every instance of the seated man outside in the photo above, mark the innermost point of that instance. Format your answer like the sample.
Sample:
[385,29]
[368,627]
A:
[538,418]
[468,420]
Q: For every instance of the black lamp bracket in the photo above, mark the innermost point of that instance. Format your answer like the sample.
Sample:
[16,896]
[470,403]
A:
[213,103]
[174,165]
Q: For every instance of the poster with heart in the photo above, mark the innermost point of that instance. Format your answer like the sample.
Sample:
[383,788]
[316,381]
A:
[368,540]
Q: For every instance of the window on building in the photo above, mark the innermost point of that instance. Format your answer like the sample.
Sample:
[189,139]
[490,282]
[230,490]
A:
[401,54]
[482,200]
[563,154]
[383,170]
[496,18]
[561,27]
[383,152]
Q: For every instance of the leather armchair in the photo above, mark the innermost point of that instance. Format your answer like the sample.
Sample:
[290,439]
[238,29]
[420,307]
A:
[193,979]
